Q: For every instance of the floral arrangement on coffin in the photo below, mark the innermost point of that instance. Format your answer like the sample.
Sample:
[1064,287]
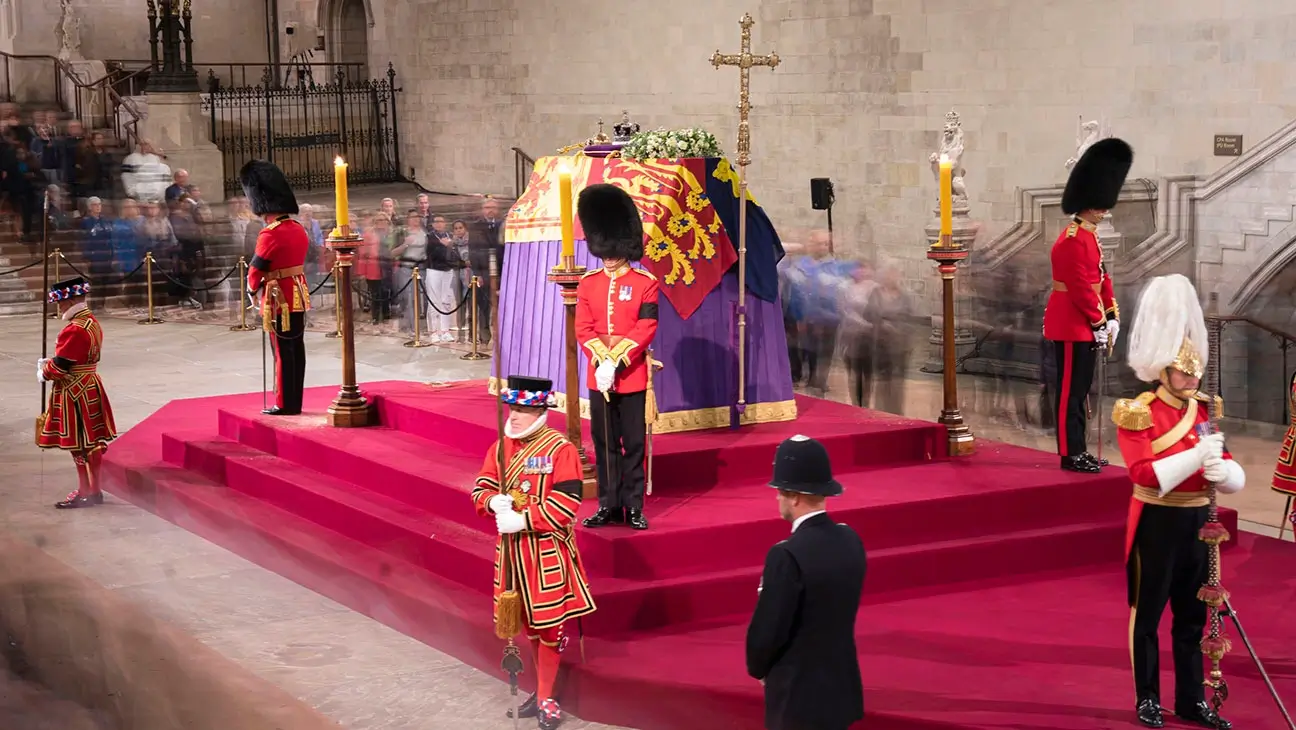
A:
[665,143]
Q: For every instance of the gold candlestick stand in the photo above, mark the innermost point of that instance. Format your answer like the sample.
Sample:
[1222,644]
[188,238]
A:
[946,253]
[567,276]
[350,409]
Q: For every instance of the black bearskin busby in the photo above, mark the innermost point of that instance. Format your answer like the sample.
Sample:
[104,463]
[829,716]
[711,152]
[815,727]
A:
[612,223]
[267,190]
[1096,180]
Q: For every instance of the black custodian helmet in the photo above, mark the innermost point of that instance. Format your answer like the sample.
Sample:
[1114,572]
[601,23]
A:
[801,465]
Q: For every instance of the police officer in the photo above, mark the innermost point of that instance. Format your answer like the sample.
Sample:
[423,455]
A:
[801,641]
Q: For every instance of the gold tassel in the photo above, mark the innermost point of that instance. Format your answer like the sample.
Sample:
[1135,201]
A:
[508,615]
[40,426]
[650,400]
[285,317]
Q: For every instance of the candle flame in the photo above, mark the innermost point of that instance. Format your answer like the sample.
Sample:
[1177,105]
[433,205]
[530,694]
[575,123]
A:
[564,166]
[338,161]
[944,159]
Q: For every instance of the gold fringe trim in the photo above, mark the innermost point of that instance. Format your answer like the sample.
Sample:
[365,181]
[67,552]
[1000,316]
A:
[1132,414]
[698,419]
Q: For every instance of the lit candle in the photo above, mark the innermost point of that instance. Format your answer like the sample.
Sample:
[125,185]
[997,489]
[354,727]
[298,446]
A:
[340,188]
[946,196]
[565,209]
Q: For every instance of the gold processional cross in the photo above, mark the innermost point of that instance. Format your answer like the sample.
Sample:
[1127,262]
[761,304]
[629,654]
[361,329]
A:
[744,61]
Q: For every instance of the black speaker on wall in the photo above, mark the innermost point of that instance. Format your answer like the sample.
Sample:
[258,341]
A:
[821,193]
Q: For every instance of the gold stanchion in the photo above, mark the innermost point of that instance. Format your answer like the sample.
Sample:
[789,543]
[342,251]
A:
[148,282]
[417,283]
[56,254]
[337,303]
[242,326]
[475,354]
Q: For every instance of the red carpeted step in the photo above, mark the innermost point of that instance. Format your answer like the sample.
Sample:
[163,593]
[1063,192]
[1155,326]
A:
[405,533]
[379,459]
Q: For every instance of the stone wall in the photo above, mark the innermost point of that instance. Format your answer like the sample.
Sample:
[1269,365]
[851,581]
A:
[861,93]
[226,31]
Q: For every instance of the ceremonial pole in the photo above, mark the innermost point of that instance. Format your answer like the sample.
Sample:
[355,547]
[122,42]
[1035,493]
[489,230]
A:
[349,409]
[567,276]
[744,60]
[946,253]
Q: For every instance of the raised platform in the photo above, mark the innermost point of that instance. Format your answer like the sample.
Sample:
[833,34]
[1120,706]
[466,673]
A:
[994,589]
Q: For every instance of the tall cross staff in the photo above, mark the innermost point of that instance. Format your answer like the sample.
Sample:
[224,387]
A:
[744,61]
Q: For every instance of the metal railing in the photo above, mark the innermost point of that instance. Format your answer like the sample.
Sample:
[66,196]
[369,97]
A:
[523,165]
[35,79]
[219,76]
[1216,324]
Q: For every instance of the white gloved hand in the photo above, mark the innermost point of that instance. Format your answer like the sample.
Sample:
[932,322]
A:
[1100,335]
[1113,329]
[500,503]
[40,369]
[605,375]
[1214,470]
[1210,447]
[510,522]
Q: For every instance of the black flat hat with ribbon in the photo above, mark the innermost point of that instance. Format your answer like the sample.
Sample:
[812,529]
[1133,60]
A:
[528,392]
[68,289]
[801,465]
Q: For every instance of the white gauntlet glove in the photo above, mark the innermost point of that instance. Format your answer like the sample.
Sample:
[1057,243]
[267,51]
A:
[1100,335]
[1210,447]
[1113,329]
[40,369]
[605,375]
[1214,470]
[500,503]
[510,522]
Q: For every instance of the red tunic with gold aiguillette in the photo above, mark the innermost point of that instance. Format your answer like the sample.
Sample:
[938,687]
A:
[1082,299]
[1153,426]
[1284,478]
[78,416]
[279,264]
[543,475]
[616,319]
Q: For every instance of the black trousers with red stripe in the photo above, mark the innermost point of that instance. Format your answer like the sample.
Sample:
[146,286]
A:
[290,362]
[1074,377]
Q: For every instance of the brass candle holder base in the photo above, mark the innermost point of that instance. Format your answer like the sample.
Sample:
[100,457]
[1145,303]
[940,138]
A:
[349,409]
[946,255]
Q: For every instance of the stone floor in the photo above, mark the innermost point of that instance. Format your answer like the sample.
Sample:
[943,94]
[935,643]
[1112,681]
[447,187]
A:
[353,669]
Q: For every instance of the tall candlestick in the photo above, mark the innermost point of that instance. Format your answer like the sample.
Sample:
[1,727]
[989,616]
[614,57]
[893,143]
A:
[565,209]
[946,196]
[340,186]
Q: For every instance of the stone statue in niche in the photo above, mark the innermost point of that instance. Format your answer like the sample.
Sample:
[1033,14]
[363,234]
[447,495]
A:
[951,147]
[1086,134]
[68,32]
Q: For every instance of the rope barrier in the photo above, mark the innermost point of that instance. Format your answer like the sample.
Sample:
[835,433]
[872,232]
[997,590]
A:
[457,307]
[20,269]
[190,286]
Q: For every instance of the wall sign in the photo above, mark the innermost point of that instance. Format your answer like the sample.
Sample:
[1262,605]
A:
[1228,145]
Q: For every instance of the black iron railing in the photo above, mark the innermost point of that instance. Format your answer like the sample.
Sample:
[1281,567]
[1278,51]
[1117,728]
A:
[523,165]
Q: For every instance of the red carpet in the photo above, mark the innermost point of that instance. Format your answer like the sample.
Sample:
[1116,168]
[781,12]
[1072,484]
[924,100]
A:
[994,598]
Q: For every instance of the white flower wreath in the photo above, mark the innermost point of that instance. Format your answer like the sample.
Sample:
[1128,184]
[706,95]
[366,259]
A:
[665,143]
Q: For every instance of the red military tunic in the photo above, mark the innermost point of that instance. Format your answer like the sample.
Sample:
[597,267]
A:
[1153,426]
[279,264]
[543,475]
[616,319]
[79,416]
[1082,298]
[1284,478]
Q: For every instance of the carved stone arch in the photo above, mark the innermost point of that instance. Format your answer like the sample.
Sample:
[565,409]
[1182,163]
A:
[347,42]
[326,13]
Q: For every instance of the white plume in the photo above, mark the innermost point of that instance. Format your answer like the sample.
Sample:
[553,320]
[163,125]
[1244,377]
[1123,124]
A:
[1168,311]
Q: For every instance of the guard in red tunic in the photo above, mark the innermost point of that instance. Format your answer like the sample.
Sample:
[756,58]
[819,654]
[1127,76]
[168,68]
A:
[1174,456]
[616,320]
[1284,478]
[1081,316]
[78,417]
[535,508]
[280,267]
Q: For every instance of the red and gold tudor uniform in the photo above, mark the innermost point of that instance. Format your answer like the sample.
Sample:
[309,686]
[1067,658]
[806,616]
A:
[542,476]
[78,417]
[1284,478]
[616,320]
[278,266]
[1082,309]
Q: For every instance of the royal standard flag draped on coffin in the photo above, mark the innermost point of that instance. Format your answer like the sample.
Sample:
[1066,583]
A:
[690,213]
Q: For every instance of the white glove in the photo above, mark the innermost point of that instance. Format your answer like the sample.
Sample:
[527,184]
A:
[1214,470]
[40,369]
[605,375]
[1100,335]
[500,503]
[1210,447]
[510,522]
[1113,329]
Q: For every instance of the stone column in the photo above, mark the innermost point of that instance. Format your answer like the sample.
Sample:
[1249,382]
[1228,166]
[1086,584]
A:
[965,231]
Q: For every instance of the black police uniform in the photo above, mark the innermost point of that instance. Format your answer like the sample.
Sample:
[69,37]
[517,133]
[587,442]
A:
[801,641]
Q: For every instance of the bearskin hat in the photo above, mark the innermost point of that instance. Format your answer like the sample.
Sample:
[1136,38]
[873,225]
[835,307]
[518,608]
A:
[612,223]
[267,190]
[1096,180]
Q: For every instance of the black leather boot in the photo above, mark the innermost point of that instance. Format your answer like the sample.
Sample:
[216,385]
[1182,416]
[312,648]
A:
[1202,714]
[604,517]
[635,518]
[1083,464]
[526,710]
[1149,713]
[277,411]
